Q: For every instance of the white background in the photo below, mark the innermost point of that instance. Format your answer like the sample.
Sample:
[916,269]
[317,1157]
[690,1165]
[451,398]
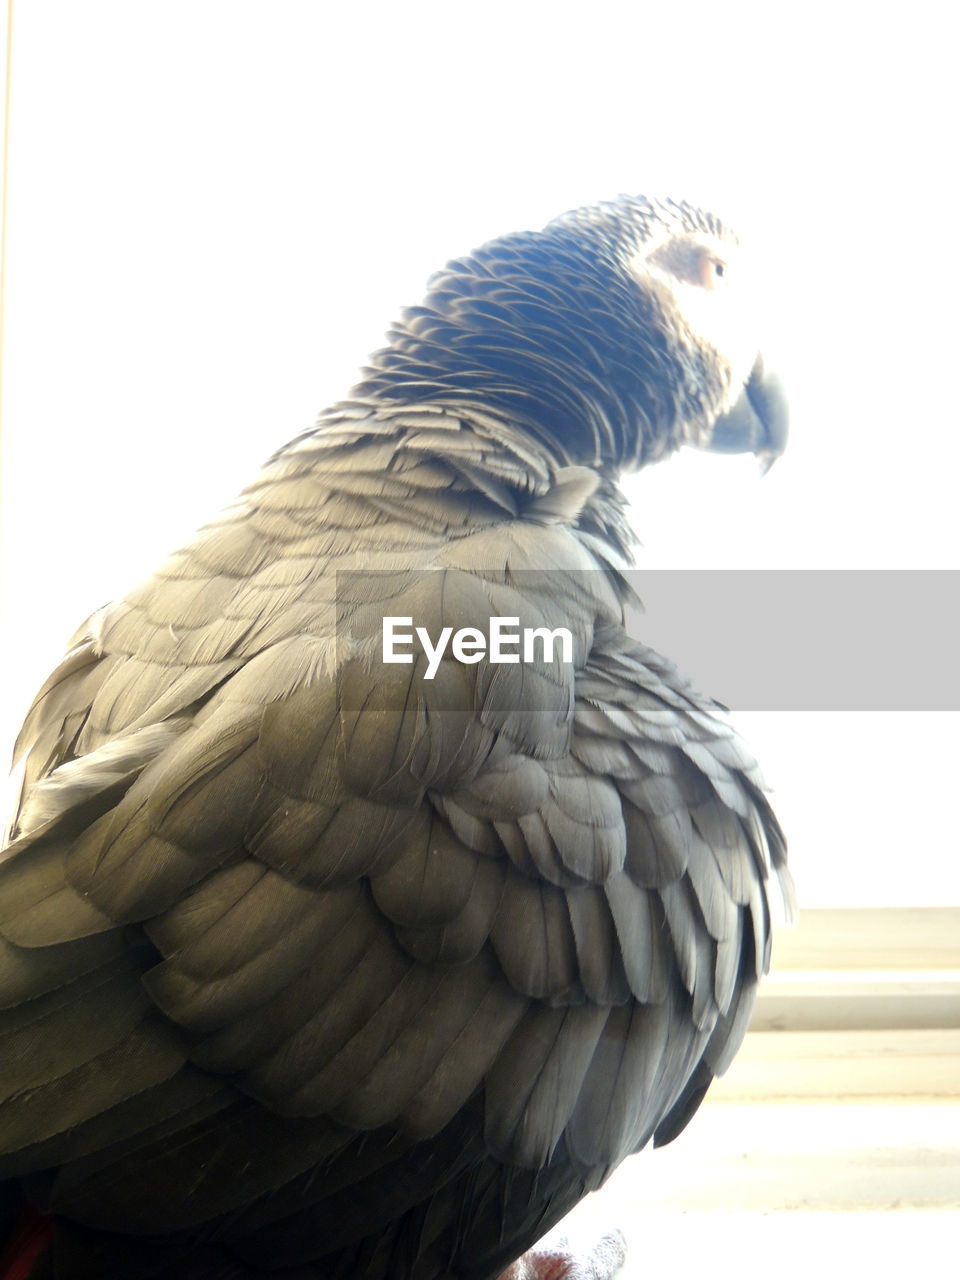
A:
[215,209]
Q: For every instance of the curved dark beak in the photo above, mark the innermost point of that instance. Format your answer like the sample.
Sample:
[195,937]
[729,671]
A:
[759,421]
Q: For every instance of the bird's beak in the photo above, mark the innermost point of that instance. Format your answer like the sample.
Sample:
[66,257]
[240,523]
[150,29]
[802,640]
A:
[759,421]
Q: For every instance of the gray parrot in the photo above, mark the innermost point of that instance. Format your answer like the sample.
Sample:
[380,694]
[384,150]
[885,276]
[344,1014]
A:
[326,957]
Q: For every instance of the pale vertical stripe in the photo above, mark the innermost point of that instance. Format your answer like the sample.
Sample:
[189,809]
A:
[4,185]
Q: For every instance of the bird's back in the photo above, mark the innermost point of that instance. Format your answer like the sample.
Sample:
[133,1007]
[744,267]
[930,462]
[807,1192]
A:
[323,965]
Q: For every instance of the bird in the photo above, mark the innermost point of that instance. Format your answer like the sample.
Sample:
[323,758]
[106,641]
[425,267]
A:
[321,957]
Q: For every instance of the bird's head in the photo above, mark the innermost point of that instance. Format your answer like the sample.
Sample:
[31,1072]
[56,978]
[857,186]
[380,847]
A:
[698,301]
[617,334]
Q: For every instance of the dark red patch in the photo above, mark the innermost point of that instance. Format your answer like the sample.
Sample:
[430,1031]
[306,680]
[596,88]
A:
[30,1237]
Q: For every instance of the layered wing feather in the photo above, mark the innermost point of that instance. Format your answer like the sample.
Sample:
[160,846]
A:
[267,896]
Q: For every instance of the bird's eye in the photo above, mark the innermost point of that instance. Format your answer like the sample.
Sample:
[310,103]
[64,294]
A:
[713,272]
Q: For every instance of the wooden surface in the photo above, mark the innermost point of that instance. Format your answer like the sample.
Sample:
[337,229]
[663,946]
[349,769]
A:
[871,938]
[860,1003]
[791,1190]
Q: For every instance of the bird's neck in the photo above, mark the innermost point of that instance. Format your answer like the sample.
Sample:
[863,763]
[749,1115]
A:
[565,382]
[448,468]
